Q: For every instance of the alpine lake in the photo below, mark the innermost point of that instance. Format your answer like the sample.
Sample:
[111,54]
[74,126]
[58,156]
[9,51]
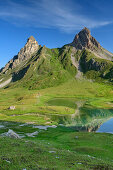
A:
[85,119]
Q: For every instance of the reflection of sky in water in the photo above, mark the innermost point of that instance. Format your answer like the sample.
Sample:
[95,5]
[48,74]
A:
[106,127]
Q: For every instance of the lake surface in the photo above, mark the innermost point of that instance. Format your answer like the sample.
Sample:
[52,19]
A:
[84,118]
[106,127]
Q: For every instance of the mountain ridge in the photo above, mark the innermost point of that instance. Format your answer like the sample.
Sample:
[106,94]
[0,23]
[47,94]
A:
[40,67]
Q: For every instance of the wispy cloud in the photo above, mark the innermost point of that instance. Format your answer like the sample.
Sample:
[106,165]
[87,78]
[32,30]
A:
[59,14]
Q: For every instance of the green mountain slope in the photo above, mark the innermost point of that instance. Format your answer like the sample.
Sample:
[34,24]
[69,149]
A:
[46,69]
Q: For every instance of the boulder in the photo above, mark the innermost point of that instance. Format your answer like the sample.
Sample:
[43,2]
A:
[12,108]
[11,134]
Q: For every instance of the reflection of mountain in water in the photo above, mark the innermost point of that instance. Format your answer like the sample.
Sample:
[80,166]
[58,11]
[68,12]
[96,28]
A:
[85,119]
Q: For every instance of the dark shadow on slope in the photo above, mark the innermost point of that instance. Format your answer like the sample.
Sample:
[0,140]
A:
[19,75]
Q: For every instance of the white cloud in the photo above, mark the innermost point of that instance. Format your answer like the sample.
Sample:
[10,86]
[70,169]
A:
[59,14]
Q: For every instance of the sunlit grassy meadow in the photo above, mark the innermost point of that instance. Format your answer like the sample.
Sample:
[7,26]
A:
[70,149]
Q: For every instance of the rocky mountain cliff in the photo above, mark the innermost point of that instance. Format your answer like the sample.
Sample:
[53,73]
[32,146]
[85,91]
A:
[25,53]
[38,67]
[84,40]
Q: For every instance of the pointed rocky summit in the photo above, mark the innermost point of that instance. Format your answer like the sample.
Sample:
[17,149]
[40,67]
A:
[25,53]
[84,40]
[30,47]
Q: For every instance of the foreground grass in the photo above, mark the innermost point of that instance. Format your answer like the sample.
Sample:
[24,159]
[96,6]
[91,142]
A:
[59,148]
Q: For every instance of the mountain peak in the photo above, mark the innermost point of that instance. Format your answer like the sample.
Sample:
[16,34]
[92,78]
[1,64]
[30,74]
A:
[25,53]
[84,40]
[30,47]
[85,30]
[31,38]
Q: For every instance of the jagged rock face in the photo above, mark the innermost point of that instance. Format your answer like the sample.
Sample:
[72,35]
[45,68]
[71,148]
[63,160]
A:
[94,65]
[30,47]
[24,54]
[84,40]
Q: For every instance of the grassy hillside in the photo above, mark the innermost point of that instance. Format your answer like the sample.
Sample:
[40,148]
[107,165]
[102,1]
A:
[46,68]
[58,149]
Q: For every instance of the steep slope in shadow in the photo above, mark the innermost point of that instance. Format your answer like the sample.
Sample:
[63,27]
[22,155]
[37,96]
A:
[19,75]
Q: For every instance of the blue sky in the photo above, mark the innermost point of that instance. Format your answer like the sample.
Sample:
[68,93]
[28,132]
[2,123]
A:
[52,22]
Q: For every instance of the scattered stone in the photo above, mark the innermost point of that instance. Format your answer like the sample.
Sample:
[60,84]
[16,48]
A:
[52,151]
[53,126]
[11,134]
[2,126]
[12,108]
[32,134]
[41,127]
[8,161]
[22,136]
[57,157]
[61,125]
[23,124]
[91,157]
[30,122]
[79,163]
[45,127]
[76,137]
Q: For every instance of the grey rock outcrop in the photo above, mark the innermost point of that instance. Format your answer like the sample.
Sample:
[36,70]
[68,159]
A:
[84,40]
[25,53]
[11,134]
[92,64]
